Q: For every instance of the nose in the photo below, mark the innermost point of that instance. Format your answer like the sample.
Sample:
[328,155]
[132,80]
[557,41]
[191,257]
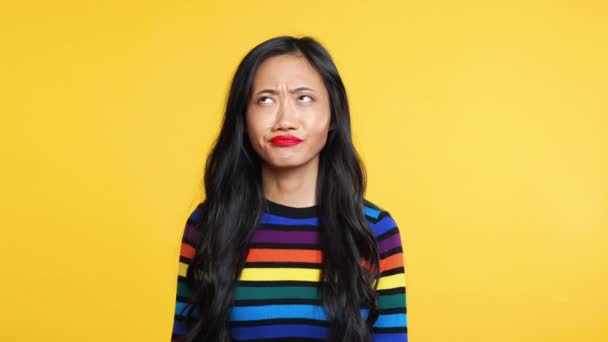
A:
[286,115]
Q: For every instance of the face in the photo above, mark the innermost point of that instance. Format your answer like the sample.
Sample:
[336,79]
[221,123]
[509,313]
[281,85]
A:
[288,98]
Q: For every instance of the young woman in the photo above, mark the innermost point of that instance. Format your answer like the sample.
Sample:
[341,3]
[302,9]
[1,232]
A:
[285,247]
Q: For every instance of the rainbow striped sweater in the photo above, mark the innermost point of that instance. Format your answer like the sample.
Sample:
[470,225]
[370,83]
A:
[277,298]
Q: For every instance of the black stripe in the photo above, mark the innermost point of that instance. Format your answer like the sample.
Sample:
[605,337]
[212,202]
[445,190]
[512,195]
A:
[278,283]
[393,271]
[287,339]
[398,249]
[390,330]
[258,302]
[371,204]
[280,227]
[288,301]
[284,265]
[182,299]
[256,323]
[382,215]
[396,290]
[393,311]
[189,242]
[387,234]
[274,245]
[185,260]
[288,211]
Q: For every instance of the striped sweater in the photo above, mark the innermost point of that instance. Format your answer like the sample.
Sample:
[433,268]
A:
[277,297]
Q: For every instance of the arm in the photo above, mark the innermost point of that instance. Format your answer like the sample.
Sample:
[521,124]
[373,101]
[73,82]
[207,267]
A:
[391,325]
[183,295]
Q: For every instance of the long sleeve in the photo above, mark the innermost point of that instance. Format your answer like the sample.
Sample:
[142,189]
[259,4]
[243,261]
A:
[260,286]
[391,325]
[189,240]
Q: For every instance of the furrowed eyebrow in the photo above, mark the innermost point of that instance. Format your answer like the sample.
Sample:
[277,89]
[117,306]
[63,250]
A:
[274,91]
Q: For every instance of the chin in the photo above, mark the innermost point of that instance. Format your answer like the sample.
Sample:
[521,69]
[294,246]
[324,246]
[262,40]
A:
[285,164]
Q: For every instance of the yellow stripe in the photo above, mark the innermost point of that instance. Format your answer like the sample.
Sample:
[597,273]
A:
[275,274]
[392,281]
[299,274]
[183,268]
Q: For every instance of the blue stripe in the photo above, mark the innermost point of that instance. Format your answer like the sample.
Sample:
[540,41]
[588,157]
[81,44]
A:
[278,331]
[275,219]
[384,225]
[391,321]
[179,306]
[196,215]
[179,328]
[259,312]
[371,212]
[398,337]
[246,313]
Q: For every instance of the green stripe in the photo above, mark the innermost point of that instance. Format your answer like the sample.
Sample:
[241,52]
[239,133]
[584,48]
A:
[276,292]
[183,289]
[392,301]
[295,292]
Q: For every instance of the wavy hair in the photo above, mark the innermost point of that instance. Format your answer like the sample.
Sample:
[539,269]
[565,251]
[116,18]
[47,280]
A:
[234,201]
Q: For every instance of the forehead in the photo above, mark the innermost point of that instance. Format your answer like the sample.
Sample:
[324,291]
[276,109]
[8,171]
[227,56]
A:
[292,70]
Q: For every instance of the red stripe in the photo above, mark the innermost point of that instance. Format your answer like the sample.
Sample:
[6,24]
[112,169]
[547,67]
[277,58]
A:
[187,251]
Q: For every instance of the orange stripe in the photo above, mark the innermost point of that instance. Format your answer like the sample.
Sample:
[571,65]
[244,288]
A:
[366,266]
[187,251]
[394,261]
[284,255]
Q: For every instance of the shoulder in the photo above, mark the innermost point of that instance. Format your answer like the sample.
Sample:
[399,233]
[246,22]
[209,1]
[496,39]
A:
[195,215]
[372,210]
[379,219]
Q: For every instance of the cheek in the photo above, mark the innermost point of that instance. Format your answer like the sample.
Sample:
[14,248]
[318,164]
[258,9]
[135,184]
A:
[255,134]
[318,135]
[320,124]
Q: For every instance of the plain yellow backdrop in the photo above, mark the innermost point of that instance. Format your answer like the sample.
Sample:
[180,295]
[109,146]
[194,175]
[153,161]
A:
[483,126]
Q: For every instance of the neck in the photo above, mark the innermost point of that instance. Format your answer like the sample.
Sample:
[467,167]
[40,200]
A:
[294,187]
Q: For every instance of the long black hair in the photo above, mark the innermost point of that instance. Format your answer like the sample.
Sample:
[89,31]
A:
[234,201]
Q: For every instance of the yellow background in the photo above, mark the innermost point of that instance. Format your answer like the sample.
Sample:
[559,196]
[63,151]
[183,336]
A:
[483,127]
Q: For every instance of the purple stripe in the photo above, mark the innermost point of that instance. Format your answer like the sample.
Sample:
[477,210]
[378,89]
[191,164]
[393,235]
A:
[179,328]
[280,236]
[191,234]
[390,243]
[280,331]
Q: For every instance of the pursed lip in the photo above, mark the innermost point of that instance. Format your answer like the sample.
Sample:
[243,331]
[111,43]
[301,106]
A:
[285,140]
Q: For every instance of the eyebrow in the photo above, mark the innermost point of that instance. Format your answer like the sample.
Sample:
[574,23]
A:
[274,91]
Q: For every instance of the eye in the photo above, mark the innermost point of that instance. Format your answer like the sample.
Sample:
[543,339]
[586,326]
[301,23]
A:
[261,98]
[310,98]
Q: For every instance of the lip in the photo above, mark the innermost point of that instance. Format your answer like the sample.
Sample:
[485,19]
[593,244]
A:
[285,140]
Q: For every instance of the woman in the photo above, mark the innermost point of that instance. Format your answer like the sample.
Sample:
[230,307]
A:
[285,247]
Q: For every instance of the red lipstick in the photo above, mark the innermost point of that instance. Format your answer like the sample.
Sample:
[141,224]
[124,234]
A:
[285,140]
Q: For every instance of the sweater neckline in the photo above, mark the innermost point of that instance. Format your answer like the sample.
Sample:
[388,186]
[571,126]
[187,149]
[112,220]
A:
[288,211]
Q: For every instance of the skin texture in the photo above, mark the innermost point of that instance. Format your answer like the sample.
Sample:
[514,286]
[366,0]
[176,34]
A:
[289,174]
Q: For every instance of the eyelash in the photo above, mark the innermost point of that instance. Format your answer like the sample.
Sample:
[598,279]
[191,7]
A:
[266,97]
